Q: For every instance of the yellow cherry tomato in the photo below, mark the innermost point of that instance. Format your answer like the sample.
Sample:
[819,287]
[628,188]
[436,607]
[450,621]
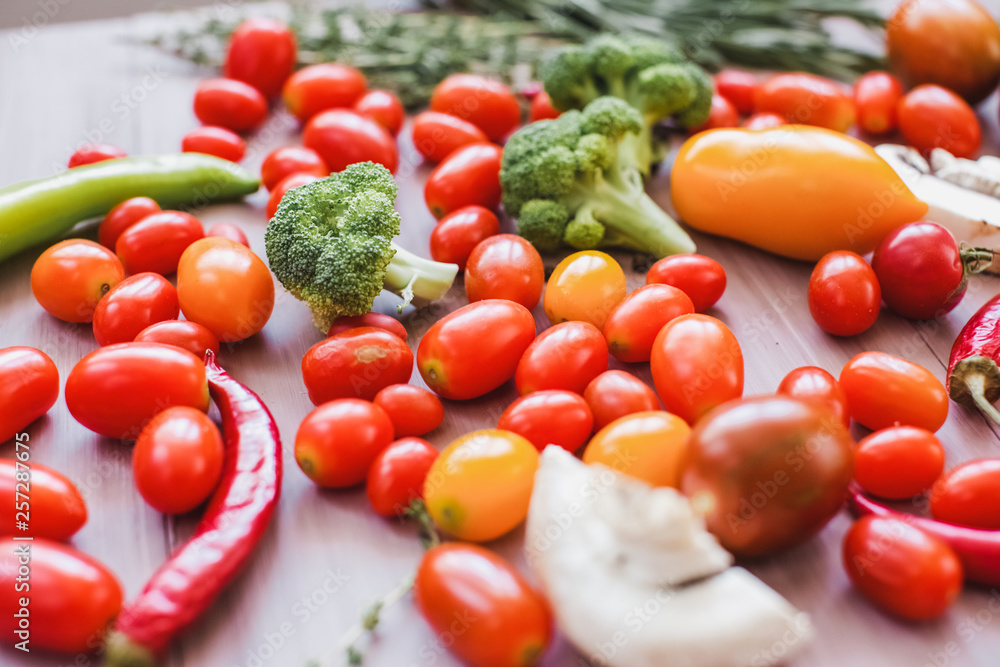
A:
[586,287]
[479,487]
[646,445]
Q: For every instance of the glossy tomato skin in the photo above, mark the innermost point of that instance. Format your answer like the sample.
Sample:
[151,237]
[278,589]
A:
[650,446]
[123,216]
[338,441]
[551,417]
[738,87]
[438,135]
[697,364]
[702,278]
[844,294]
[377,320]
[72,599]
[633,325]
[412,409]
[190,336]
[969,495]
[566,356]
[475,349]
[357,363]
[584,287]
[115,390]
[457,234]
[396,477]
[876,95]
[487,104]
[898,462]
[217,141]
[883,390]
[56,509]
[287,160]
[383,107]
[70,278]
[91,153]
[261,53]
[470,175]
[900,568]
[229,103]
[320,87]
[614,394]
[505,266]
[764,120]
[722,113]
[29,387]
[132,305]
[481,605]
[812,383]
[155,243]
[541,108]
[342,137]
[283,186]
[768,471]
[934,117]
[806,99]
[228,231]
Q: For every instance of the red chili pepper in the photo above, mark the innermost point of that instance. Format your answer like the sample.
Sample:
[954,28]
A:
[234,522]
[979,550]
[973,371]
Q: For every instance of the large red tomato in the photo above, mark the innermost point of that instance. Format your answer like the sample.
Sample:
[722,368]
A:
[487,104]
[50,504]
[566,356]
[261,53]
[342,137]
[357,363]
[470,175]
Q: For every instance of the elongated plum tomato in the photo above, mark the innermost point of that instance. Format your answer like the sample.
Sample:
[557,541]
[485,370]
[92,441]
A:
[900,568]
[342,137]
[116,390]
[632,326]
[585,287]
[551,417]
[287,160]
[91,153]
[697,364]
[876,95]
[225,287]
[479,488]
[737,87]
[190,336]
[475,349]
[505,266]
[844,294]
[132,305]
[614,394]
[357,363]
[969,495]
[383,107]
[487,104]
[934,117]
[71,277]
[56,508]
[438,135]
[72,598]
[229,103]
[29,386]
[123,216]
[412,409]
[262,53]
[323,86]
[217,141]
[767,472]
[646,445]
[812,383]
[567,356]
[155,243]
[377,320]
[457,234]
[474,596]
[806,99]
[469,176]
[338,441]
[764,120]
[898,462]
[701,278]
[228,231]
[883,390]
[396,476]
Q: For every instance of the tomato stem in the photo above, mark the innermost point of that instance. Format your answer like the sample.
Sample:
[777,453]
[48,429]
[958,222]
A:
[417,511]
[370,619]
[975,260]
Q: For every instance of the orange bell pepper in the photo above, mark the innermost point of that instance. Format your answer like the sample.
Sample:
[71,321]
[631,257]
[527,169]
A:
[795,190]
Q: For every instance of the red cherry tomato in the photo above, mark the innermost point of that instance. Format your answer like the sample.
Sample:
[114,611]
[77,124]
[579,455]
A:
[190,336]
[815,384]
[320,87]
[29,386]
[883,390]
[722,113]
[412,409]
[632,326]
[217,141]
[487,104]
[91,153]
[177,460]
[358,363]
[764,120]
[383,107]
[70,278]
[876,95]
[342,137]
[231,104]
[541,108]
[934,117]
[123,216]
[470,175]
[737,87]
[701,278]
[132,305]
[286,184]
[377,320]
[227,231]
[287,160]
[505,266]
[615,394]
[262,53]
[396,476]
[156,243]
[844,294]
[338,441]
[806,99]
[898,462]
[551,417]
[458,233]
[56,509]
[438,135]
[969,495]
[565,356]
[901,569]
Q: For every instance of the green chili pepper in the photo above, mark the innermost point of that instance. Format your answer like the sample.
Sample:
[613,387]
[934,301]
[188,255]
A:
[35,211]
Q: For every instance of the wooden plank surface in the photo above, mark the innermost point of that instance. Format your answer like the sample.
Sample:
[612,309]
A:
[327,556]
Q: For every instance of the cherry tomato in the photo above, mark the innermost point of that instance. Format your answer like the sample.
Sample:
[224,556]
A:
[764,120]
[505,266]
[71,598]
[377,320]
[552,417]
[155,243]
[262,53]
[54,506]
[338,441]
[189,336]
[286,184]
[876,95]
[934,117]
[229,103]
[342,137]
[883,390]
[585,287]
[541,108]
[225,287]
[475,349]
[479,488]
[412,409]
[217,141]
[396,476]
[438,135]
[565,356]
[898,462]
[458,233]
[383,107]
[738,87]
[132,305]
[697,364]
[70,278]
[320,87]
[116,390]
[646,445]
[701,278]
[722,113]
[29,387]
[844,294]
[811,383]
[487,104]
[470,175]
[632,326]
[357,363]
[806,99]
[228,231]
[614,394]
[177,460]
[900,568]
[123,216]
[91,153]
[969,495]
[287,160]
[481,608]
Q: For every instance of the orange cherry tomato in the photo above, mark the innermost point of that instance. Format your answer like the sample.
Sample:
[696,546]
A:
[357,363]
[487,104]
[632,326]
[283,186]
[844,294]
[338,441]
[806,99]
[287,160]
[320,87]
[934,117]
[217,141]
[412,409]
[541,108]
[262,53]
[883,390]
[898,462]
[155,243]
[815,384]
[738,87]
[566,356]
[701,278]
[190,336]
[585,287]
[377,320]
[396,476]
[55,510]
[29,387]
[470,175]
[132,305]
[614,394]
[71,277]
[722,113]
[551,417]
[457,234]
[969,495]
[438,135]
[342,137]
[122,217]
[229,103]
[228,231]
[505,266]
[91,153]
[876,95]
[383,107]
[764,120]
[646,445]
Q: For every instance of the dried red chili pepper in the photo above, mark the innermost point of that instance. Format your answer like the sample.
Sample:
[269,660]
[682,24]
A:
[973,370]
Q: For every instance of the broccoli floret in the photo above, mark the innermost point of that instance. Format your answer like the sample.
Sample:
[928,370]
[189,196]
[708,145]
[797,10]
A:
[330,245]
[576,181]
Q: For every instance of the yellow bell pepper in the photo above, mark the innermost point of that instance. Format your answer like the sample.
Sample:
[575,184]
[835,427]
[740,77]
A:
[794,190]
